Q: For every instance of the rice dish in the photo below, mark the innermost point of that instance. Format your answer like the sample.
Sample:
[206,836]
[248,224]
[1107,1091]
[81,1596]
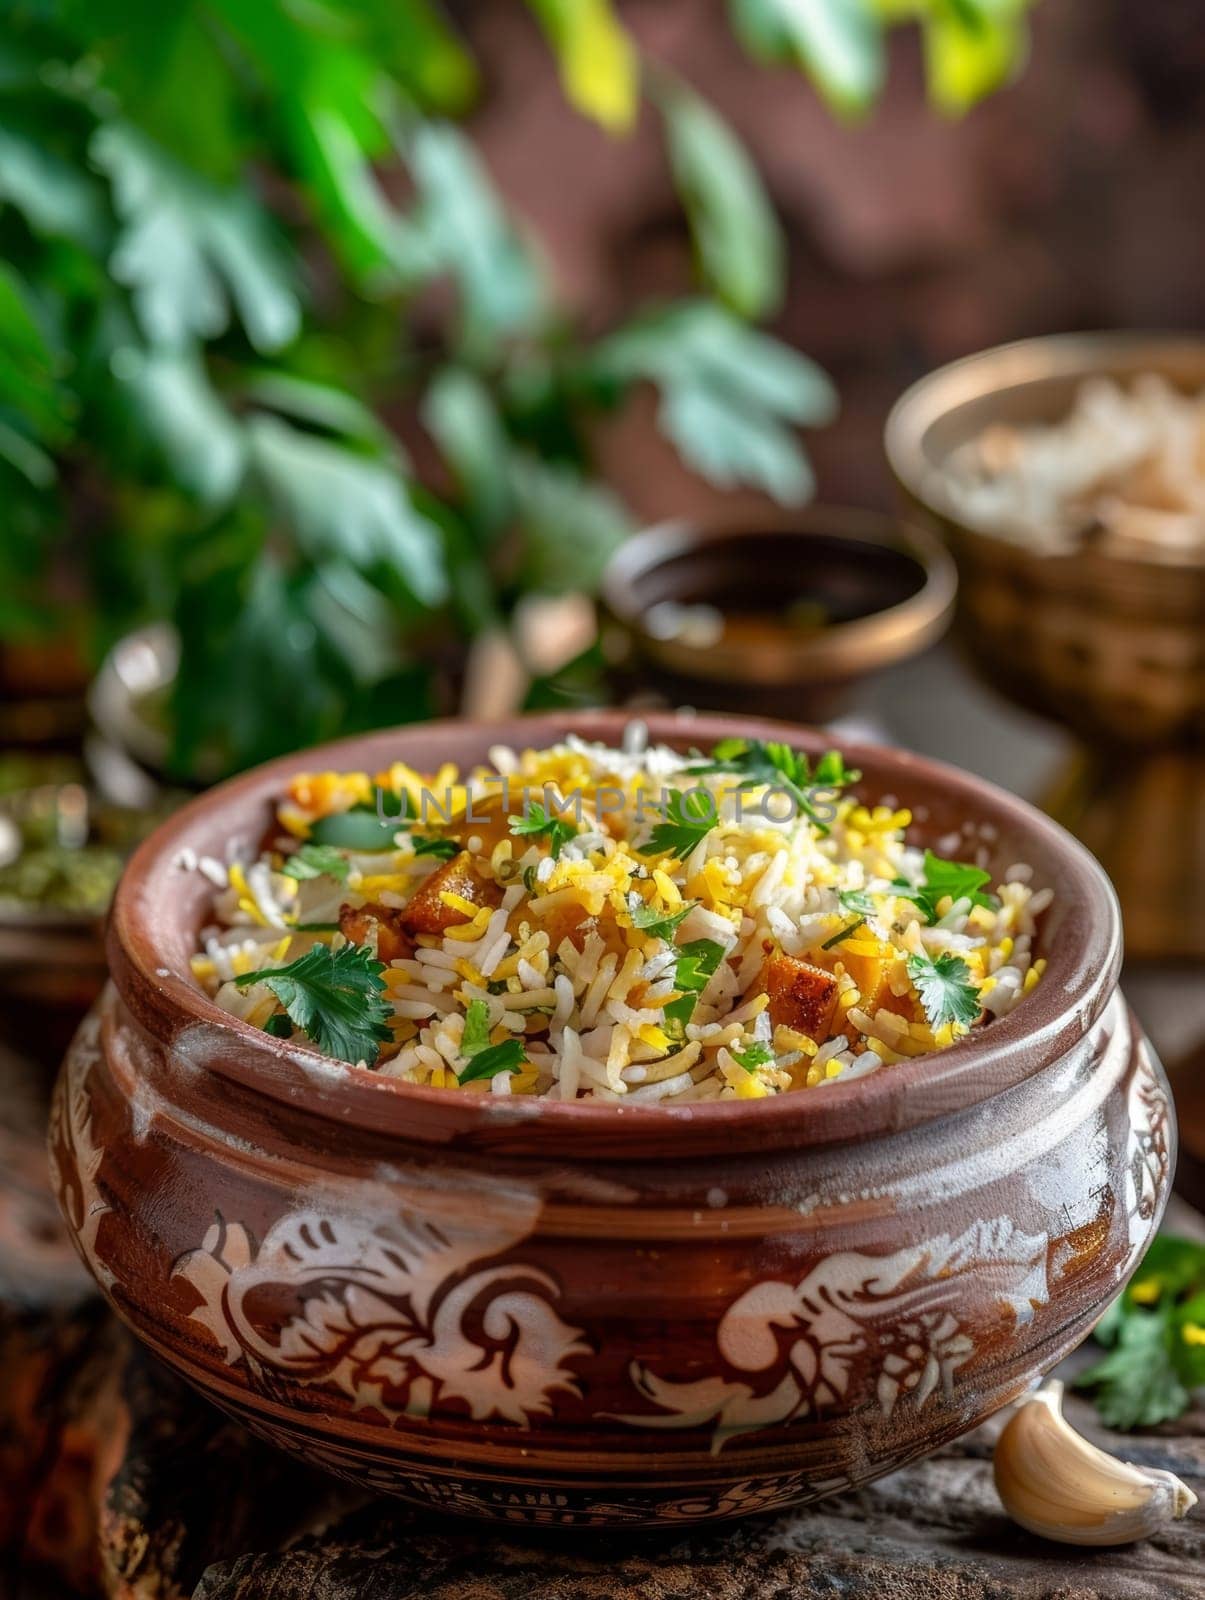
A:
[1123,471]
[623,925]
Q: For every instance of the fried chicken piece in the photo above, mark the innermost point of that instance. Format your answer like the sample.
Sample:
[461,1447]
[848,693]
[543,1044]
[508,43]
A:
[428,912]
[802,997]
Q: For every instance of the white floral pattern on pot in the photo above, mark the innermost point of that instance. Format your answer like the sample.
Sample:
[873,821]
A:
[389,1314]
[892,1315]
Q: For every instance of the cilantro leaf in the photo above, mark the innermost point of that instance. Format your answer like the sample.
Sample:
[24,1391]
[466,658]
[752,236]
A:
[944,988]
[757,1055]
[771,763]
[689,818]
[435,845]
[508,1056]
[1137,1383]
[1155,1335]
[696,963]
[316,861]
[535,823]
[279,1026]
[657,924]
[476,1035]
[843,933]
[856,902]
[334,997]
[939,877]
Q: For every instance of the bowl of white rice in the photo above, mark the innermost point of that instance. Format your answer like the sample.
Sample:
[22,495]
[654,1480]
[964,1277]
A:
[591,1121]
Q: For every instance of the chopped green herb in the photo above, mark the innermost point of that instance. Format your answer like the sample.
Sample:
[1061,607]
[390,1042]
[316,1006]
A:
[944,988]
[1155,1335]
[334,997]
[842,934]
[658,924]
[771,763]
[508,1056]
[316,861]
[689,818]
[940,878]
[856,902]
[279,1026]
[536,823]
[315,927]
[529,879]
[696,963]
[476,1035]
[436,845]
[757,1055]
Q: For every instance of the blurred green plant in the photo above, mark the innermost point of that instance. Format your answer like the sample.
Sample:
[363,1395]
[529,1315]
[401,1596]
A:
[231,228]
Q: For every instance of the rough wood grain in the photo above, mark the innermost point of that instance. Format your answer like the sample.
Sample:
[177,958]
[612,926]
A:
[934,1531]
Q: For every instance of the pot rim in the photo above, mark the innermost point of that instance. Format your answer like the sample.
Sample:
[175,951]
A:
[1080,977]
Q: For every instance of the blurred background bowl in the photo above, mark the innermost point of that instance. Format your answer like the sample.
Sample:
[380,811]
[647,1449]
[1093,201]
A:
[1113,647]
[782,612]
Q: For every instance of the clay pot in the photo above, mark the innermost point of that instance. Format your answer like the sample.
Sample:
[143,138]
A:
[574,1313]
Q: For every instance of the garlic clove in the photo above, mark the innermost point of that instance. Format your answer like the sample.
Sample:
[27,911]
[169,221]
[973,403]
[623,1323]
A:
[1055,1483]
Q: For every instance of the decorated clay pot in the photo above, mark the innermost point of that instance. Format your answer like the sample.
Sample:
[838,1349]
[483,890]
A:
[598,1314]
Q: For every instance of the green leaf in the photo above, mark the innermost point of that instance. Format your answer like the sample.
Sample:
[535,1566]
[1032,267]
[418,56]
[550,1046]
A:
[188,249]
[774,764]
[183,420]
[280,1027]
[939,878]
[341,504]
[689,818]
[944,987]
[316,861]
[417,43]
[697,963]
[599,66]
[57,199]
[360,829]
[657,924]
[1188,1337]
[736,234]
[459,414]
[757,1055]
[838,43]
[470,236]
[842,934]
[535,823]
[568,526]
[1137,1384]
[509,1056]
[476,1035]
[321,405]
[969,52]
[728,394]
[334,997]
[434,845]
[856,902]
[29,365]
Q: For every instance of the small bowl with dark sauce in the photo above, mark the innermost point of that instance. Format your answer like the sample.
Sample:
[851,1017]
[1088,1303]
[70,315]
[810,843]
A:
[786,613]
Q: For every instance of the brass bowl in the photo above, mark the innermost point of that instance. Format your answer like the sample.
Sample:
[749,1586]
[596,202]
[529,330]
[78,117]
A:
[887,589]
[1113,647]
